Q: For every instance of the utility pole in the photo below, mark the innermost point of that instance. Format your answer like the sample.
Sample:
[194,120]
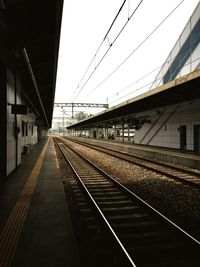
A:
[63,120]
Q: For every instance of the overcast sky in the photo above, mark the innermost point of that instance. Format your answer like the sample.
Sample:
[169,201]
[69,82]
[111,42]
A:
[84,25]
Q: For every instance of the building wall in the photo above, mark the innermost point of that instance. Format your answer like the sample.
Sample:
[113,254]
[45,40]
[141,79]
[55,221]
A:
[16,142]
[13,144]
[28,131]
[3,119]
[185,55]
[164,127]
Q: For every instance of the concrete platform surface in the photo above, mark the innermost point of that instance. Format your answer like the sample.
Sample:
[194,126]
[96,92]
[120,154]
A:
[35,223]
[168,155]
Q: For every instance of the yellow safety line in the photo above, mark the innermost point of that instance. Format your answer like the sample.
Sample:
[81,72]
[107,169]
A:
[12,229]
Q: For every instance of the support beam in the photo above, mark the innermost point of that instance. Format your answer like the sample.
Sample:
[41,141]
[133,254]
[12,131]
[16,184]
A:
[82,105]
[123,131]
[3,120]
[35,84]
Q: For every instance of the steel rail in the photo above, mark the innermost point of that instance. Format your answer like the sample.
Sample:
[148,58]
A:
[96,205]
[159,164]
[136,196]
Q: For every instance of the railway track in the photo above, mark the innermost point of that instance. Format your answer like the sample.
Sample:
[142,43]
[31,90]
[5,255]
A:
[144,236]
[186,176]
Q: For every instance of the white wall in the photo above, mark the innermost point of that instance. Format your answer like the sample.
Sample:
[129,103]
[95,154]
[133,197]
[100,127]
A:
[30,139]
[11,141]
[164,127]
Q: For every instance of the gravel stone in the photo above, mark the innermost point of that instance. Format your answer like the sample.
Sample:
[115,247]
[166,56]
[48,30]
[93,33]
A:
[177,201]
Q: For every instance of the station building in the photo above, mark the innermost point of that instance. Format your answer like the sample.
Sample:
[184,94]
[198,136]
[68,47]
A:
[35,223]
[168,114]
[30,33]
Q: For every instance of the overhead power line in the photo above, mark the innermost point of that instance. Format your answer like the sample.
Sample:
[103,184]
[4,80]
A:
[145,75]
[110,46]
[138,80]
[94,57]
[114,20]
[152,32]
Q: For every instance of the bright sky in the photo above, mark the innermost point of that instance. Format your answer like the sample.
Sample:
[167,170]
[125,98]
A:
[84,26]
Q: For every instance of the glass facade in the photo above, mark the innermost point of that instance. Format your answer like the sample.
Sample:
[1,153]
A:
[185,55]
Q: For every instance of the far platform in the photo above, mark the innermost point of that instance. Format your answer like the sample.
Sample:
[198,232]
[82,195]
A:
[168,155]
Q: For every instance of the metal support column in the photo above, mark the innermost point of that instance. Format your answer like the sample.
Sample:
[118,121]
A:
[72,110]
[3,122]
[128,133]
[122,131]
[16,126]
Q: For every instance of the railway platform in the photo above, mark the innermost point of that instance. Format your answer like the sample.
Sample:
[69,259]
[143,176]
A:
[186,159]
[35,222]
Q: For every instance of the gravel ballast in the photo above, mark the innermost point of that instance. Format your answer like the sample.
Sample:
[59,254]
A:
[177,201]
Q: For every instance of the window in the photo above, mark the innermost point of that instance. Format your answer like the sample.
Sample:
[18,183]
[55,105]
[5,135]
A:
[23,128]
[26,128]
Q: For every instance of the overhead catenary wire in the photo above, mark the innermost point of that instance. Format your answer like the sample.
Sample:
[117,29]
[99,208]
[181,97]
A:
[99,47]
[114,19]
[143,86]
[138,89]
[144,76]
[111,45]
[138,80]
[156,79]
[135,49]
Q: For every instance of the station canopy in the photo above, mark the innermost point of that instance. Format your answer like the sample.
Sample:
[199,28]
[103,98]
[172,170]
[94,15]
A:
[185,88]
[32,30]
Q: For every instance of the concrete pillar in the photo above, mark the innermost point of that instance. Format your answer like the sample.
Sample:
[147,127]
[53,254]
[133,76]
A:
[106,132]
[128,133]
[3,120]
[97,131]
[115,130]
[123,131]
[90,133]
